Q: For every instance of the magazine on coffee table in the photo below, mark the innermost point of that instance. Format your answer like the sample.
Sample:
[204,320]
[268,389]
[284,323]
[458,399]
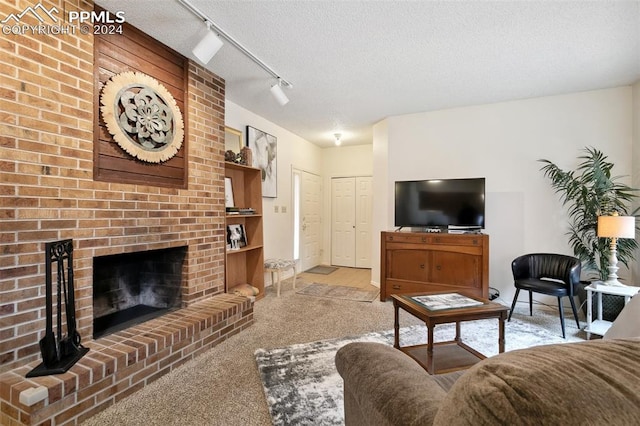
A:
[437,302]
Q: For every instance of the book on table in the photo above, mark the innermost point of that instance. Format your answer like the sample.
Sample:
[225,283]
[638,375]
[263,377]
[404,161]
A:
[437,302]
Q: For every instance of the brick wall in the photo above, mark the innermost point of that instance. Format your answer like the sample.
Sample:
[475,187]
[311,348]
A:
[47,191]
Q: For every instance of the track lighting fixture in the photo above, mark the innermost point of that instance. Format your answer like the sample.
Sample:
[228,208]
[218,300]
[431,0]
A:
[338,136]
[278,93]
[212,42]
[208,46]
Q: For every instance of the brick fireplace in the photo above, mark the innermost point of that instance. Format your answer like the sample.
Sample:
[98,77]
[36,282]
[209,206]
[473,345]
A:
[48,192]
[131,288]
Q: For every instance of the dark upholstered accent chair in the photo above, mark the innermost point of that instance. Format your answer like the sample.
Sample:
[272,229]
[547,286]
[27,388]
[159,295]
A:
[551,274]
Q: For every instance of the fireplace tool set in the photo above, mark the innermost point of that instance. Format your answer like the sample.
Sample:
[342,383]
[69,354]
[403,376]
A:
[59,353]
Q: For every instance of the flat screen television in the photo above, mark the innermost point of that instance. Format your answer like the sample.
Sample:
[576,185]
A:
[440,203]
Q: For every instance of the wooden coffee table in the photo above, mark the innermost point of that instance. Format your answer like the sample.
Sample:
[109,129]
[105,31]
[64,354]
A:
[443,357]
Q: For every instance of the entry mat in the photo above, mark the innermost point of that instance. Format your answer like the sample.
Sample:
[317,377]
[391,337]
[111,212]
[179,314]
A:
[321,269]
[339,292]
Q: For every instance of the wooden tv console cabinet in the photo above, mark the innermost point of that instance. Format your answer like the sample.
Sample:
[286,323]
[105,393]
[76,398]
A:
[420,262]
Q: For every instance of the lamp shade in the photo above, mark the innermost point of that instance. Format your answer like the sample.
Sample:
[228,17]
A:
[207,47]
[616,226]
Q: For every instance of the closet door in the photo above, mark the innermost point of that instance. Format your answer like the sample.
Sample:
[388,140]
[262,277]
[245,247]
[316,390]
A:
[364,207]
[351,204]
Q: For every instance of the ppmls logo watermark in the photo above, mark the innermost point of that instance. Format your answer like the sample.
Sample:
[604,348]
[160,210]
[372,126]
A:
[50,21]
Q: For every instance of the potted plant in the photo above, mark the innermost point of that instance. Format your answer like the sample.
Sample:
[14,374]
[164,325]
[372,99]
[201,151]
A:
[588,192]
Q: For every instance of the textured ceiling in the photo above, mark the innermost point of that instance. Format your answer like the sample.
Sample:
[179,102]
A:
[353,63]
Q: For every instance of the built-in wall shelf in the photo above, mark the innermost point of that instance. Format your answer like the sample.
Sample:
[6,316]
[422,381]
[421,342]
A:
[245,265]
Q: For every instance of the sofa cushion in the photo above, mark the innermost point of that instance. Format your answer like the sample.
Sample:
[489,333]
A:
[595,382]
[627,324]
[384,386]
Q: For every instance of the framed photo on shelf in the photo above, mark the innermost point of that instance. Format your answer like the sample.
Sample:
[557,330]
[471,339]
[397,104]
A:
[232,140]
[264,157]
[228,193]
[236,237]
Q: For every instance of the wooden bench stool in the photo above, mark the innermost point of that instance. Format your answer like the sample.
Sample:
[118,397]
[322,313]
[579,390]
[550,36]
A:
[278,266]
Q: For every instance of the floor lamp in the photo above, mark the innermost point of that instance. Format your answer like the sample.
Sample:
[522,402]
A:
[615,227]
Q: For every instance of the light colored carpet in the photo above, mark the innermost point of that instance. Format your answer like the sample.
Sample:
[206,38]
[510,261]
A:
[321,269]
[223,386]
[339,292]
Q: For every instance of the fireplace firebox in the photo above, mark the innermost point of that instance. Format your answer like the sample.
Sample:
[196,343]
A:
[132,288]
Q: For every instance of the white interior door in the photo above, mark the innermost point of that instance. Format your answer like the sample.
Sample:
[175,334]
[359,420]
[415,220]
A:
[364,207]
[343,227]
[310,220]
[351,205]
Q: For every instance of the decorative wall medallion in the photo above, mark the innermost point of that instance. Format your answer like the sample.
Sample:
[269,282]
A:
[142,116]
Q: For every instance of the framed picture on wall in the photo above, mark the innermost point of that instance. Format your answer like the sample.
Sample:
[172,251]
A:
[264,157]
[236,237]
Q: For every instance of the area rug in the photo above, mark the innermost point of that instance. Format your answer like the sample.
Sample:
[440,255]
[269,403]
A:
[321,269]
[339,292]
[302,386]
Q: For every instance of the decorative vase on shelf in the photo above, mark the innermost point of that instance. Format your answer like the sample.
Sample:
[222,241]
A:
[246,156]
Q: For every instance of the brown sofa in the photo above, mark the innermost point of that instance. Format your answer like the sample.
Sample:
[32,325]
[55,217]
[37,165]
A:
[595,382]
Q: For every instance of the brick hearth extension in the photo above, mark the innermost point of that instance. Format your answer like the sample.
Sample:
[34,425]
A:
[122,363]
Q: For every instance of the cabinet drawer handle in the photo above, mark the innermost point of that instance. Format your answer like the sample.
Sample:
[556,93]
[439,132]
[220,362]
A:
[390,238]
[422,266]
[395,287]
[424,239]
[438,267]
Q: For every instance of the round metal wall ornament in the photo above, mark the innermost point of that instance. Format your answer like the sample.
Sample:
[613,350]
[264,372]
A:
[142,116]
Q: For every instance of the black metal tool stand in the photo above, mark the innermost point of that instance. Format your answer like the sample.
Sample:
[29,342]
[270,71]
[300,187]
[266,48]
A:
[59,353]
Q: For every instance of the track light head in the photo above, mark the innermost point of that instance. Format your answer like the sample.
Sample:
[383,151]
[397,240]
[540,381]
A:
[278,93]
[213,41]
[206,49]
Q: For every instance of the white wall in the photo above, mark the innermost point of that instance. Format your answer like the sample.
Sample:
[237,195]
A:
[341,161]
[635,266]
[292,152]
[382,215]
[503,142]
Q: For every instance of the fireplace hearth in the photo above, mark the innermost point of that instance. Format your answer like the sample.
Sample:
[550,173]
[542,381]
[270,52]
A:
[132,288]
